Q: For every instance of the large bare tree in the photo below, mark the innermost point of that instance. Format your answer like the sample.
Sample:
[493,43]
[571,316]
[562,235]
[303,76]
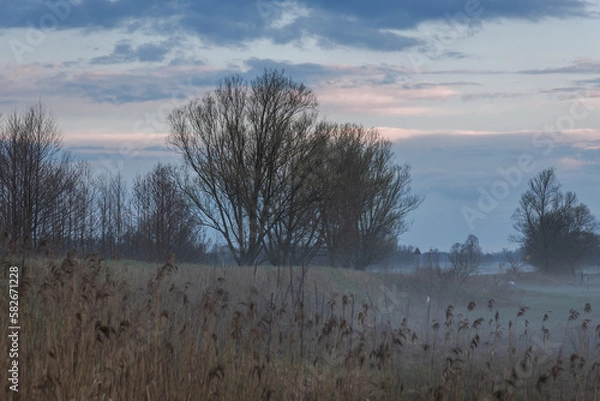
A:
[554,229]
[238,140]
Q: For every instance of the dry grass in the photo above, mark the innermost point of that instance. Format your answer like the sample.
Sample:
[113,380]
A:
[92,331]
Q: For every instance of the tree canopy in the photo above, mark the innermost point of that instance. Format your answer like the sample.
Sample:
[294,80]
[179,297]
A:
[554,229]
[465,258]
[278,185]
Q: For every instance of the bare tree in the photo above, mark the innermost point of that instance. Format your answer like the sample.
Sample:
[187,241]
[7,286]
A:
[36,174]
[515,261]
[465,258]
[296,236]
[237,141]
[72,223]
[366,197]
[433,258]
[164,222]
[554,229]
[113,214]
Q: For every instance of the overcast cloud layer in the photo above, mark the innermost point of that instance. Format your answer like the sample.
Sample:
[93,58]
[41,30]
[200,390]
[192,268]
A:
[478,95]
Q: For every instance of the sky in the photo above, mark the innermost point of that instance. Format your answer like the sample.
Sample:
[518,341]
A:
[478,96]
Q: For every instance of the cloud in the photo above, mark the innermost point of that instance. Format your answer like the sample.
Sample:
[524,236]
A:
[151,52]
[593,81]
[122,53]
[86,148]
[394,133]
[167,83]
[352,23]
[156,148]
[349,75]
[333,31]
[573,163]
[390,100]
[467,97]
[385,89]
[410,13]
[463,71]
[588,145]
[303,72]
[125,53]
[456,55]
[115,89]
[579,66]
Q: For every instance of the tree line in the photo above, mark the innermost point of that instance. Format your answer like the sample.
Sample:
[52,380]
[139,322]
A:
[51,203]
[276,184]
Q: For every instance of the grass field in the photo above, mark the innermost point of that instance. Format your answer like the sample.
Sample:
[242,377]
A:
[122,330]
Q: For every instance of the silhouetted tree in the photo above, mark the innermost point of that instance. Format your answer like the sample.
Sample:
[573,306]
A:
[514,261]
[465,258]
[73,224]
[239,140]
[296,237]
[164,220]
[366,197]
[432,258]
[554,229]
[36,175]
[113,204]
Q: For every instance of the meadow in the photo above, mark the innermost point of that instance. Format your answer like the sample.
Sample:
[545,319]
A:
[123,330]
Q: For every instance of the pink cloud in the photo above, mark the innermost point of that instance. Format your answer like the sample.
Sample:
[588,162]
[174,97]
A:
[392,100]
[586,138]
[114,139]
[393,133]
[571,163]
[583,138]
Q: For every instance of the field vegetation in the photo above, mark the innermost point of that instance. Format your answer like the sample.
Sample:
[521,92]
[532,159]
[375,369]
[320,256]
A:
[120,330]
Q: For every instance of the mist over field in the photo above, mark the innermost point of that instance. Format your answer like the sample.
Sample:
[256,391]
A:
[111,328]
[300,200]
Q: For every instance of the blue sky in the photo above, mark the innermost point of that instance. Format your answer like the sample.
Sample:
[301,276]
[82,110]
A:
[477,95]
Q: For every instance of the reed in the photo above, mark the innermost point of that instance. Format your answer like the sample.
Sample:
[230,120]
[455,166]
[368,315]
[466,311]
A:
[98,331]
